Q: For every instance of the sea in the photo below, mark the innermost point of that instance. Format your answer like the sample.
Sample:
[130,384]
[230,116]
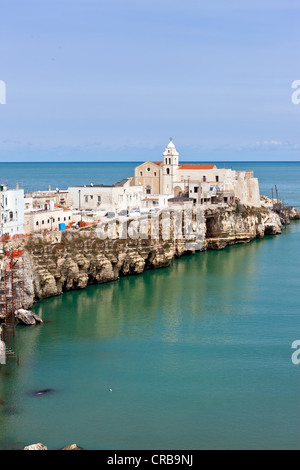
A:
[194,356]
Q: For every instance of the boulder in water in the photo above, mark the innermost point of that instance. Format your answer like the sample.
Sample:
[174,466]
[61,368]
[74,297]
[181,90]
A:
[38,446]
[72,447]
[27,317]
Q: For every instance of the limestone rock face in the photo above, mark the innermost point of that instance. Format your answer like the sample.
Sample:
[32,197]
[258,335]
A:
[38,446]
[294,214]
[62,261]
[272,224]
[239,224]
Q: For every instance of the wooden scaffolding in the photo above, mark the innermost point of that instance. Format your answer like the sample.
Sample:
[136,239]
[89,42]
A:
[11,288]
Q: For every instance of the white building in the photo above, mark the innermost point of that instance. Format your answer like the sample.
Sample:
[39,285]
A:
[39,200]
[100,197]
[11,211]
[49,219]
[155,201]
[205,183]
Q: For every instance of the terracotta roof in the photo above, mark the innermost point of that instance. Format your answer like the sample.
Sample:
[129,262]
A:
[191,166]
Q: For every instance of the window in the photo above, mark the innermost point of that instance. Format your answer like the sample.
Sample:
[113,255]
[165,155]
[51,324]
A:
[99,198]
[69,217]
[58,219]
[92,197]
[168,171]
[86,198]
[217,179]
[48,221]
[148,169]
[43,222]
[53,219]
[141,173]
[204,178]
[169,161]
[11,215]
[37,222]
[148,191]
[64,219]
[196,189]
[155,173]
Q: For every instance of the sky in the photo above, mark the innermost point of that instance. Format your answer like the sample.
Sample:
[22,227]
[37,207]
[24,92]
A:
[113,80]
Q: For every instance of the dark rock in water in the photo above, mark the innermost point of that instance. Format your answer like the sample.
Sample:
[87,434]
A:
[43,392]
[72,447]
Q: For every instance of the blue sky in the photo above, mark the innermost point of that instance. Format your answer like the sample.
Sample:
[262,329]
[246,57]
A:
[102,80]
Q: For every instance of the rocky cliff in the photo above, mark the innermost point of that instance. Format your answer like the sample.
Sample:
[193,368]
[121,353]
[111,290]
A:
[61,261]
[240,224]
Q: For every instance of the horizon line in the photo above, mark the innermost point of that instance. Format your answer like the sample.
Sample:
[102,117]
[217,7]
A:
[141,161]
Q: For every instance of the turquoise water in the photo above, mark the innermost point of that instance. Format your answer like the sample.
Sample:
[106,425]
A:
[197,355]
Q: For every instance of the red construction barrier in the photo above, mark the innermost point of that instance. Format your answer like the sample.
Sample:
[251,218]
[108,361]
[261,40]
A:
[86,224]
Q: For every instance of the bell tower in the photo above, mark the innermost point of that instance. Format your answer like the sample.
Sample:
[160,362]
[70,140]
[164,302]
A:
[169,168]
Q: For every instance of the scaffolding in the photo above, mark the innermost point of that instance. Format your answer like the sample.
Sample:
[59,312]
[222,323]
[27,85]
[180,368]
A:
[11,289]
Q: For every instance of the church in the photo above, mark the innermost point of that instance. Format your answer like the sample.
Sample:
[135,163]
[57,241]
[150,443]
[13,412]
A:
[202,183]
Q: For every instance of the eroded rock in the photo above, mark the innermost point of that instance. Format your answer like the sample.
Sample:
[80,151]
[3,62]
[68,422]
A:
[72,447]
[27,317]
[38,446]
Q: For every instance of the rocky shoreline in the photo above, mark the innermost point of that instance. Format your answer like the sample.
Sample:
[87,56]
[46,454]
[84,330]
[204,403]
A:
[62,261]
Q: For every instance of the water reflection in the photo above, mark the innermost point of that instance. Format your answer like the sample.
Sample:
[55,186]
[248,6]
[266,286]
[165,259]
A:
[147,338]
[156,302]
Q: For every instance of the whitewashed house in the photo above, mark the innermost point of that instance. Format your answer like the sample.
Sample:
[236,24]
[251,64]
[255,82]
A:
[99,197]
[12,210]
